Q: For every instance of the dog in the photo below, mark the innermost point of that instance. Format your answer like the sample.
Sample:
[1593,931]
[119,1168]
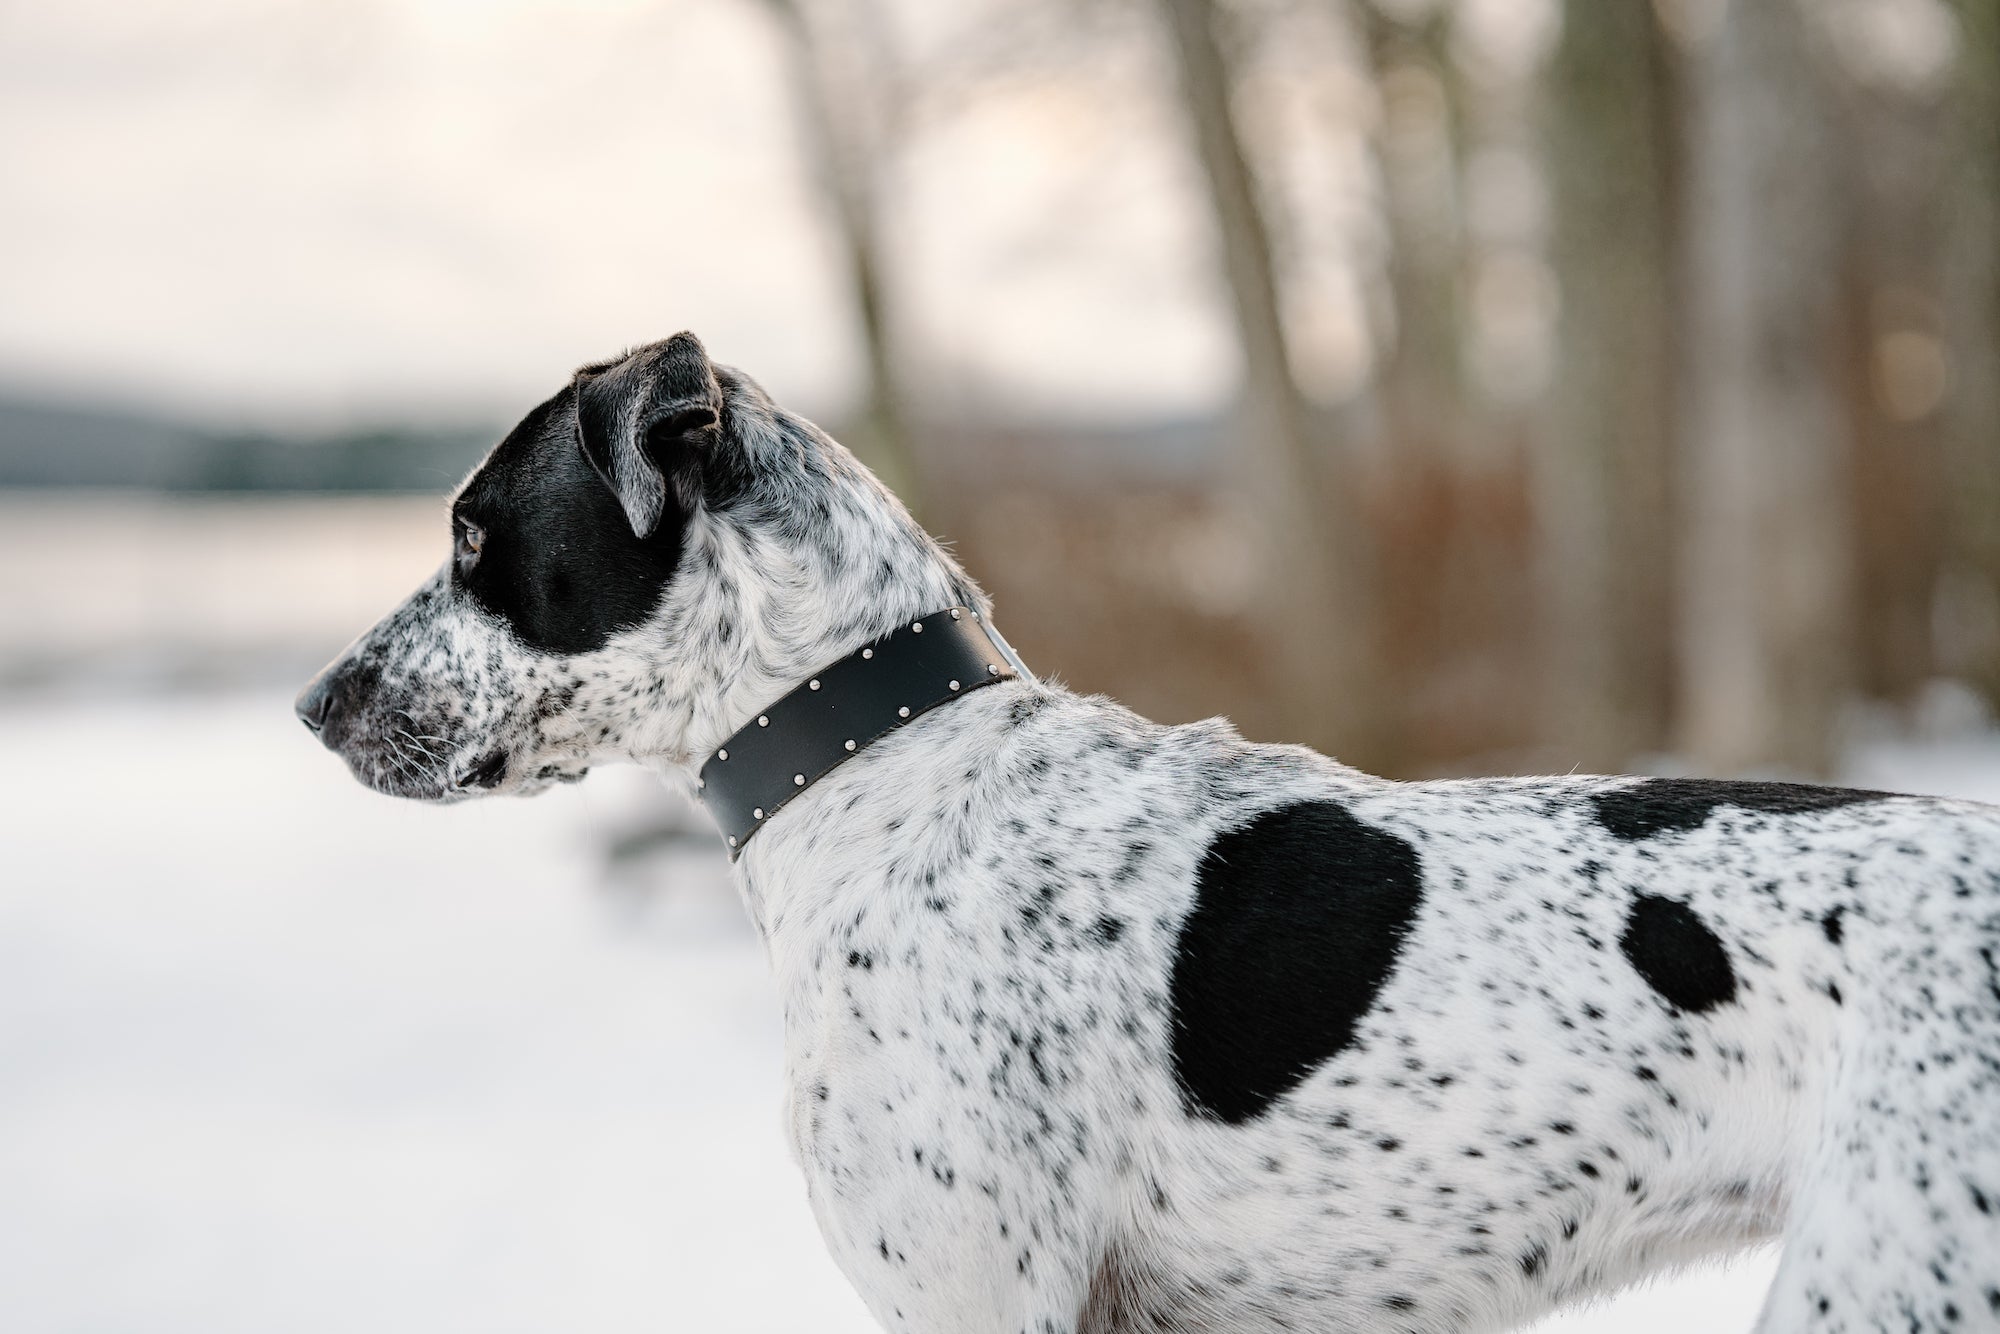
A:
[1098,1025]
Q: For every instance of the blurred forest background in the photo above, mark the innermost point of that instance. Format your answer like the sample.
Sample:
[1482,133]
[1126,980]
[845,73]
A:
[1456,385]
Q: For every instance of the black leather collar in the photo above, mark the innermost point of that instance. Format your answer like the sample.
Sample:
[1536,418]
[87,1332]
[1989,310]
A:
[849,704]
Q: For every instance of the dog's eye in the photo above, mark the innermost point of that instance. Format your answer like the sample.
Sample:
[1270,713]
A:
[471,539]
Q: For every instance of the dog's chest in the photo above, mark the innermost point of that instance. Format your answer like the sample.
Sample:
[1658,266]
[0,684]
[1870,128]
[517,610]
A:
[970,1027]
[973,1014]
[951,1086]
[956,935]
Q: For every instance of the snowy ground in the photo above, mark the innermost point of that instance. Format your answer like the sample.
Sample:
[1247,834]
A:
[277,1054]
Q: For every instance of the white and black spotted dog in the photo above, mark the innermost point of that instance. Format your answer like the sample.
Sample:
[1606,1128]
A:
[1098,1025]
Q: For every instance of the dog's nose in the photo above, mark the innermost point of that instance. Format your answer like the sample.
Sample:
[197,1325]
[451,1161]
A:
[315,703]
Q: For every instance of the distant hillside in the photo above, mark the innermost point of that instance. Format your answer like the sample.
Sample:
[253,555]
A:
[46,445]
[51,445]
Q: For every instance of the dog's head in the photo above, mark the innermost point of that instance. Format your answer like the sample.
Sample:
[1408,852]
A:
[651,555]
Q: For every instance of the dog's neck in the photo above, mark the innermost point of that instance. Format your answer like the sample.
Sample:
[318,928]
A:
[771,593]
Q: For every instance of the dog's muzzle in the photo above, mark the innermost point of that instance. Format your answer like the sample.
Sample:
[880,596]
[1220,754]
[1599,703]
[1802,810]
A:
[392,747]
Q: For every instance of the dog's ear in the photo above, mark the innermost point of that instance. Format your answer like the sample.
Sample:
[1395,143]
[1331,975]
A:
[645,424]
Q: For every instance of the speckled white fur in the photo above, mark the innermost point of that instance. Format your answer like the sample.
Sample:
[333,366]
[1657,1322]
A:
[973,927]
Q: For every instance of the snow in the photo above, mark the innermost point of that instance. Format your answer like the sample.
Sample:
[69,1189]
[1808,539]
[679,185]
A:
[280,1054]
[277,1054]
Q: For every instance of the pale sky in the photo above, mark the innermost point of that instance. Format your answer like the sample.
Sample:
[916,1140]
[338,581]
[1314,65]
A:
[327,210]
[316,211]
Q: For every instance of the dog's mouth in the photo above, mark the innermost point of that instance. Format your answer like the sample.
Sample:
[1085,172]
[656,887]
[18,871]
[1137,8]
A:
[497,772]
[484,773]
[396,767]
[403,771]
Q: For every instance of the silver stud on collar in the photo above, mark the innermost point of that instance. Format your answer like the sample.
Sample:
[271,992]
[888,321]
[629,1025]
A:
[722,754]
[954,613]
[798,780]
[732,840]
[903,712]
[916,627]
[954,685]
[762,721]
[757,814]
[813,684]
[993,669]
[850,745]
[868,653]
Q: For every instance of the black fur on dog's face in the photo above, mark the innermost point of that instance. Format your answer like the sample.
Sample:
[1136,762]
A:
[563,539]
[541,543]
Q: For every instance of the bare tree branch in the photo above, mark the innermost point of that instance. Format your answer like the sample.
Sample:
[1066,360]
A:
[847,151]
[1316,608]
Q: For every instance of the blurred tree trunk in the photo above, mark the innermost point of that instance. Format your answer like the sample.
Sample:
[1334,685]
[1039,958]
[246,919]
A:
[1972,314]
[1602,476]
[1765,639]
[1427,564]
[1895,168]
[1420,382]
[1315,603]
[835,88]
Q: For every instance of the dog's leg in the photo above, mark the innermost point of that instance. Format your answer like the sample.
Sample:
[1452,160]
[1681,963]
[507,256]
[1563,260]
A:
[1896,1225]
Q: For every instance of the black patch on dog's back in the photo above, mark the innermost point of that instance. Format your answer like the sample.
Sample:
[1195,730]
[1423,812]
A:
[1677,954]
[561,564]
[1297,921]
[1674,805]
